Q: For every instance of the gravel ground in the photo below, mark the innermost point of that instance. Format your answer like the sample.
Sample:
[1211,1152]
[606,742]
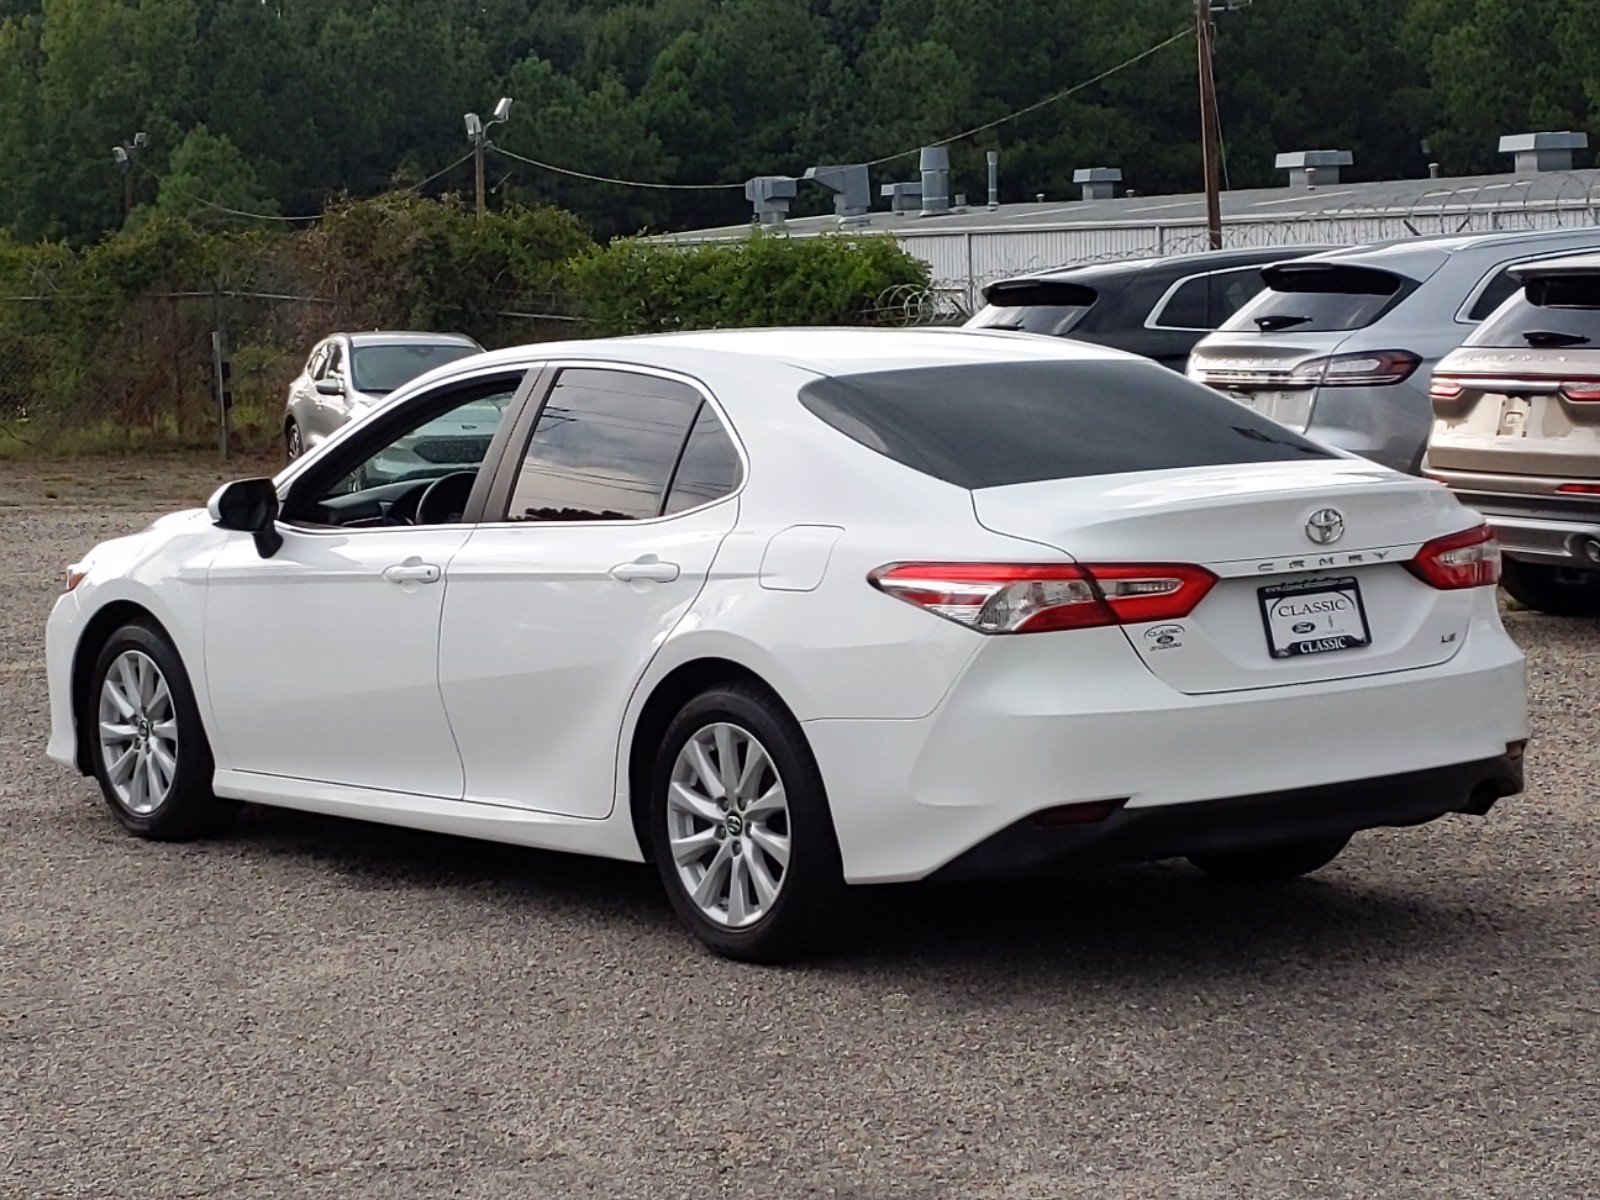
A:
[312,1007]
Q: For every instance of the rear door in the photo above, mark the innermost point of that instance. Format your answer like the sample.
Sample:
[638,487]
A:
[606,521]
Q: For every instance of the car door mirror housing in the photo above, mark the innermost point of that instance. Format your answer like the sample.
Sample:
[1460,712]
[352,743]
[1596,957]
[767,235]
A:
[249,506]
[329,387]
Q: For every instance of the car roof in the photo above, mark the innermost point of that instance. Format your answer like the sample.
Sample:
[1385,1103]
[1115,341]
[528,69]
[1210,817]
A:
[819,350]
[1570,264]
[1414,255]
[1175,264]
[401,337]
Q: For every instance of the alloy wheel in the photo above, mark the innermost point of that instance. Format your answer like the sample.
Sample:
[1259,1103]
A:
[138,733]
[728,825]
[293,438]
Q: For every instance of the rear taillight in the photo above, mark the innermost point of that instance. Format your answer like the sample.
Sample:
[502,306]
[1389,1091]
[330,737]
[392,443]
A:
[1367,368]
[1581,391]
[1036,597]
[1443,388]
[1467,559]
[1579,489]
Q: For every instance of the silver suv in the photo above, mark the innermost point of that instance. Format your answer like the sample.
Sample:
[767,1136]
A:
[1517,432]
[1340,345]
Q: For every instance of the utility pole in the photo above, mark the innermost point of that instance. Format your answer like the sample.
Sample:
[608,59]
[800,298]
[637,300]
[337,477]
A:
[1210,153]
[478,135]
[123,156]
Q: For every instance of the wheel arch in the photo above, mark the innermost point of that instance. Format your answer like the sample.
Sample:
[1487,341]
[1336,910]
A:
[96,633]
[668,695]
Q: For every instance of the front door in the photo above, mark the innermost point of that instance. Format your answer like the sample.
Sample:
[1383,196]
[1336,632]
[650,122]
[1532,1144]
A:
[554,611]
[322,661]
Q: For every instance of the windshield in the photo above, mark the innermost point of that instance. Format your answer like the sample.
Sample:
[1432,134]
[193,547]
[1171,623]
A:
[381,369]
[993,424]
[1319,298]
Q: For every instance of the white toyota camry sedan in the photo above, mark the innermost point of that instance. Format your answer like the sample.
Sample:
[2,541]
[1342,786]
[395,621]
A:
[785,611]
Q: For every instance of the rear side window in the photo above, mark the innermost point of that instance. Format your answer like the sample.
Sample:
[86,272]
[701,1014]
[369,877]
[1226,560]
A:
[1496,292]
[1553,312]
[613,445]
[994,424]
[1205,301]
[1320,297]
[1046,306]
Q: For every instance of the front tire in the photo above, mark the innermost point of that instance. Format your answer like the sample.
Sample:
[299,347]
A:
[1272,864]
[1558,591]
[149,748]
[740,829]
[293,440]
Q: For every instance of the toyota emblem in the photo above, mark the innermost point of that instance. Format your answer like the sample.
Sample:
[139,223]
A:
[1325,526]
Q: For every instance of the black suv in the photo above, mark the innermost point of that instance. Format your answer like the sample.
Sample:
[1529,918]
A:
[1157,307]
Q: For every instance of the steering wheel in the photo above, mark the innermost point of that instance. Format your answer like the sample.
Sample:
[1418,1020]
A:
[446,499]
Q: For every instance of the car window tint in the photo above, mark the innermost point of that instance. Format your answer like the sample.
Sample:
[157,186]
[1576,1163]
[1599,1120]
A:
[994,424]
[380,369]
[709,468]
[604,447]
[1556,312]
[1189,306]
[335,360]
[1320,297]
[1498,290]
[1231,292]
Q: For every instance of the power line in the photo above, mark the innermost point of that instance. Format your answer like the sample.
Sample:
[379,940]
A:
[639,183]
[955,137]
[1038,104]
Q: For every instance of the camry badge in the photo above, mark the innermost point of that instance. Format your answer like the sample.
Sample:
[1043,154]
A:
[1325,526]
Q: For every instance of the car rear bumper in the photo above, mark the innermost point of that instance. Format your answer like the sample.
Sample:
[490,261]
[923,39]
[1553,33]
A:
[1022,732]
[1040,845]
[1535,525]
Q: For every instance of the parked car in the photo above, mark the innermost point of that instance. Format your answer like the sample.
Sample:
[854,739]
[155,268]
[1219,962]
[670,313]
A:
[1340,345]
[347,373]
[1516,432]
[1157,307]
[786,610]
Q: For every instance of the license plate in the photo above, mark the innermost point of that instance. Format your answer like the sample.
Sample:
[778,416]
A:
[1287,408]
[1314,616]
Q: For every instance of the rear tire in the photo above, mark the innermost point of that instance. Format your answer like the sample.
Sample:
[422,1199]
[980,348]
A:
[1271,864]
[740,829]
[148,745]
[1558,591]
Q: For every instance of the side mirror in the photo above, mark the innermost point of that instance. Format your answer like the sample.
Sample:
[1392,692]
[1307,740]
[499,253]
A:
[329,387]
[249,506]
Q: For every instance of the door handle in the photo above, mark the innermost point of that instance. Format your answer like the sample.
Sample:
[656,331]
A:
[645,568]
[413,570]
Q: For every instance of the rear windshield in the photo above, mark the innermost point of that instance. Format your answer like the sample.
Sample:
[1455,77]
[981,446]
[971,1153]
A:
[1035,306]
[380,369]
[993,424]
[1319,298]
[1552,312]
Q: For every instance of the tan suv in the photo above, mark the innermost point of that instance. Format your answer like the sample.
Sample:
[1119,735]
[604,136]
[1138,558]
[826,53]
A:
[1516,432]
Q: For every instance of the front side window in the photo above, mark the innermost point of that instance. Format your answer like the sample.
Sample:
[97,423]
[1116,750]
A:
[335,360]
[434,444]
[379,370]
[614,445]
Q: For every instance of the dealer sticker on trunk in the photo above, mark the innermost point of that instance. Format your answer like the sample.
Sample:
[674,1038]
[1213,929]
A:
[1314,616]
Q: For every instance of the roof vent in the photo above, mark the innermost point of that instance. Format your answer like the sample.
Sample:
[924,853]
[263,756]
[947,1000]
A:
[852,190]
[903,197]
[770,196]
[1543,151]
[1098,183]
[1313,168]
[934,163]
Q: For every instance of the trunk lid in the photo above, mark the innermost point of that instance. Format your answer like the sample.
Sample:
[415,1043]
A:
[1248,524]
